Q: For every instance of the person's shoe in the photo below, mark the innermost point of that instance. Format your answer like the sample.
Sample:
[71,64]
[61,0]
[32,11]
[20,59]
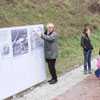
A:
[50,80]
[85,72]
[53,81]
[90,72]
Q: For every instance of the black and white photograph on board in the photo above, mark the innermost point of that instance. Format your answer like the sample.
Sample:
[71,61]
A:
[19,42]
[36,42]
[5,50]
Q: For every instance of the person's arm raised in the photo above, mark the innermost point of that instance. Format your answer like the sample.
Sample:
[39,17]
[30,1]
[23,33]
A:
[51,37]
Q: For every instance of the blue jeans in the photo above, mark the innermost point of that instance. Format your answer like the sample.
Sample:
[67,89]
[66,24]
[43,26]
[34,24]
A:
[87,60]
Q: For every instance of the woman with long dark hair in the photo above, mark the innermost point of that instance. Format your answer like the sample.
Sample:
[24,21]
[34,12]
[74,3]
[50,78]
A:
[87,49]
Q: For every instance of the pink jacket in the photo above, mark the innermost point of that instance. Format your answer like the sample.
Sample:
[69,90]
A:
[98,63]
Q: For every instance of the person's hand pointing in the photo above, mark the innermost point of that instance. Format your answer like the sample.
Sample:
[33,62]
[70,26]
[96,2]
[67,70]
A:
[39,34]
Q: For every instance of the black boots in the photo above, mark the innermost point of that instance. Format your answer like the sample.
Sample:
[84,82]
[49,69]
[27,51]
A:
[52,81]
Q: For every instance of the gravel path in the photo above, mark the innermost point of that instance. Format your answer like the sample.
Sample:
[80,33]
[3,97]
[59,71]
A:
[48,92]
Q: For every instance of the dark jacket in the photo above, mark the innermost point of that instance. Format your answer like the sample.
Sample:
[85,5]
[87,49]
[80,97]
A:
[51,45]
[86,42]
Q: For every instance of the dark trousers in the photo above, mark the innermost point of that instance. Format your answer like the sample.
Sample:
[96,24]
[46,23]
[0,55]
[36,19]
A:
[87,60]
[51,65]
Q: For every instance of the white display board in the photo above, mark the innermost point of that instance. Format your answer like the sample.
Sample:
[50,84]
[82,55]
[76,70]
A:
[22,59]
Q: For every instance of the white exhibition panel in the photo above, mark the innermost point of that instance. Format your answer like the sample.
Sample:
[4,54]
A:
[22,60]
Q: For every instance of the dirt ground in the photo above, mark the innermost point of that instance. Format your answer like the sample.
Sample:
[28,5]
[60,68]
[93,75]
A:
[88,89]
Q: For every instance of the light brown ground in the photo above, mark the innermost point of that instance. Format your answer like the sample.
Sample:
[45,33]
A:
[88,89]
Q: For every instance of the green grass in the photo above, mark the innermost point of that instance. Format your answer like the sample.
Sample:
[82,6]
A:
[86,21]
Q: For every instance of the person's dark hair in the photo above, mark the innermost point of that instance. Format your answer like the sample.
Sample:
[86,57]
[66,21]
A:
[99,52]
[86,29]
